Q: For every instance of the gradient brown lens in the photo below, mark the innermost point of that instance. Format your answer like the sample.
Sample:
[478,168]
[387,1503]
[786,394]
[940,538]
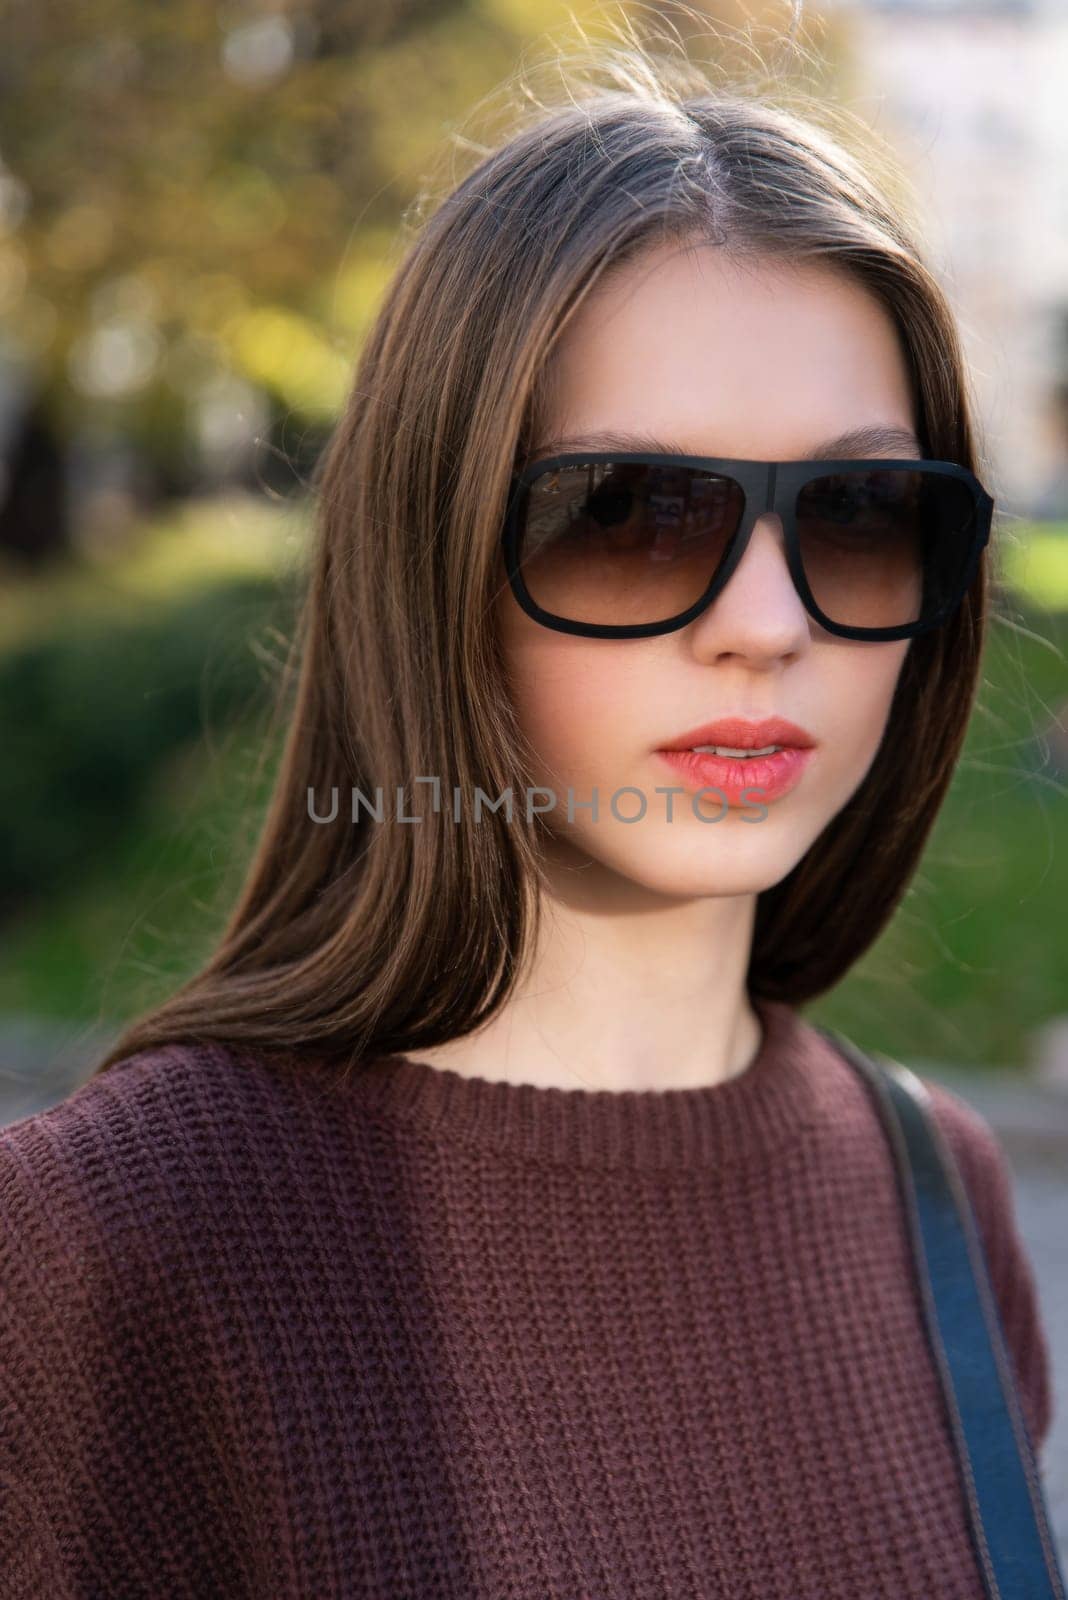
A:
[625,542]
[884,547]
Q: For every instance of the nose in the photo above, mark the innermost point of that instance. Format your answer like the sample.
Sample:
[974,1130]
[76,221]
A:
[759,616]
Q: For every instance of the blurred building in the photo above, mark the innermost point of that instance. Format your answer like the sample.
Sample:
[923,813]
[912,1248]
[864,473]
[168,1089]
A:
[975,97]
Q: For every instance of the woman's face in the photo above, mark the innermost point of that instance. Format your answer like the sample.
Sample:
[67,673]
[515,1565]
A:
[763,361]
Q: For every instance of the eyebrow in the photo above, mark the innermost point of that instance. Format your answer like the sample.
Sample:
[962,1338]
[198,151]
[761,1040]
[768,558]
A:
[875,439]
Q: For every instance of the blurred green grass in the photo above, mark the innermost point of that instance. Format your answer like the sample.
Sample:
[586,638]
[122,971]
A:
[126,932]
[976,957]
[1035,564]
[195,546]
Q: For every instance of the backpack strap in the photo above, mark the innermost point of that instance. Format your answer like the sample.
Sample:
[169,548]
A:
[1007,1510]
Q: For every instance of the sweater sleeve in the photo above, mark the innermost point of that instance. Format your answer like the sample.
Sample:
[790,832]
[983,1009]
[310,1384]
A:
[52,1328]
[988,1179]
[109,1479]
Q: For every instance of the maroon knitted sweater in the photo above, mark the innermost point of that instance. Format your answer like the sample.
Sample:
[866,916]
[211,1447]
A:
[269,1331]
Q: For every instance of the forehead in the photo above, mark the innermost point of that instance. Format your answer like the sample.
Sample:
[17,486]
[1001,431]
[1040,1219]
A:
[757,359]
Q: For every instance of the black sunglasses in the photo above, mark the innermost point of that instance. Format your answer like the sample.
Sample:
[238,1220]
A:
[625,546]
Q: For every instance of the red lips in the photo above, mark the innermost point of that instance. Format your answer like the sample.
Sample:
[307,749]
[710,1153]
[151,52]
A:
[737,733]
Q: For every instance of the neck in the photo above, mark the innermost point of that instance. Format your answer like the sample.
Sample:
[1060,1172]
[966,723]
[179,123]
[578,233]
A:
[625,989]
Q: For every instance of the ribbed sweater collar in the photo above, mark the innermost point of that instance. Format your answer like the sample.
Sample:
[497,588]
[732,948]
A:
[781,1092]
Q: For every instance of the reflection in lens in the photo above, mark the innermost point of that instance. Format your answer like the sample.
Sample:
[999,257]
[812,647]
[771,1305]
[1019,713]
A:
[884,547]
[625,543]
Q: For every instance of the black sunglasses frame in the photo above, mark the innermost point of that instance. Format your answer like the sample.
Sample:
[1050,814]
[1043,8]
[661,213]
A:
[766,486]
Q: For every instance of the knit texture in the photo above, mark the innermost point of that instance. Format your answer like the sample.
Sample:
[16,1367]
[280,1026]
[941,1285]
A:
[271,1329]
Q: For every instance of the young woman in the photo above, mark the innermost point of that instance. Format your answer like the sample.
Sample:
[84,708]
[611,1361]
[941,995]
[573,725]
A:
[485,1219]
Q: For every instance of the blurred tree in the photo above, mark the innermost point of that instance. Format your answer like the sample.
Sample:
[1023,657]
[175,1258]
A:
[34,509]
[164,172]
[198,202]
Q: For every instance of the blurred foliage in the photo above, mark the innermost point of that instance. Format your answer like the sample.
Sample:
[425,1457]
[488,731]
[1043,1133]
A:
[1036,564]
[123,666]
[185,547]
[976,955]
[147,907]
[206,191]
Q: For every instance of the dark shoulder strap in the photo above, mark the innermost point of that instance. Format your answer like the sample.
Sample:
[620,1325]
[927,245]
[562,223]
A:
[1006,1504]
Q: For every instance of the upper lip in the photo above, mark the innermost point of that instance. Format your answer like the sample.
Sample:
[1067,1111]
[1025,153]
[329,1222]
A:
[737,733]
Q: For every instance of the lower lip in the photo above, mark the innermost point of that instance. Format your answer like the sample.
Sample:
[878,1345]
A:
[773,775]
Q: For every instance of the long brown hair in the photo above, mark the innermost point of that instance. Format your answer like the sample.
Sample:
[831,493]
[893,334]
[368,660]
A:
[373,937]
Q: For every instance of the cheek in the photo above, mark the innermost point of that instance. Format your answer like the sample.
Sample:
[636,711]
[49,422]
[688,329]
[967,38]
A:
[572,702]
[883,670]
[860,693]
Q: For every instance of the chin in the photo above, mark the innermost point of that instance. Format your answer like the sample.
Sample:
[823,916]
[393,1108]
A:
[695,867]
